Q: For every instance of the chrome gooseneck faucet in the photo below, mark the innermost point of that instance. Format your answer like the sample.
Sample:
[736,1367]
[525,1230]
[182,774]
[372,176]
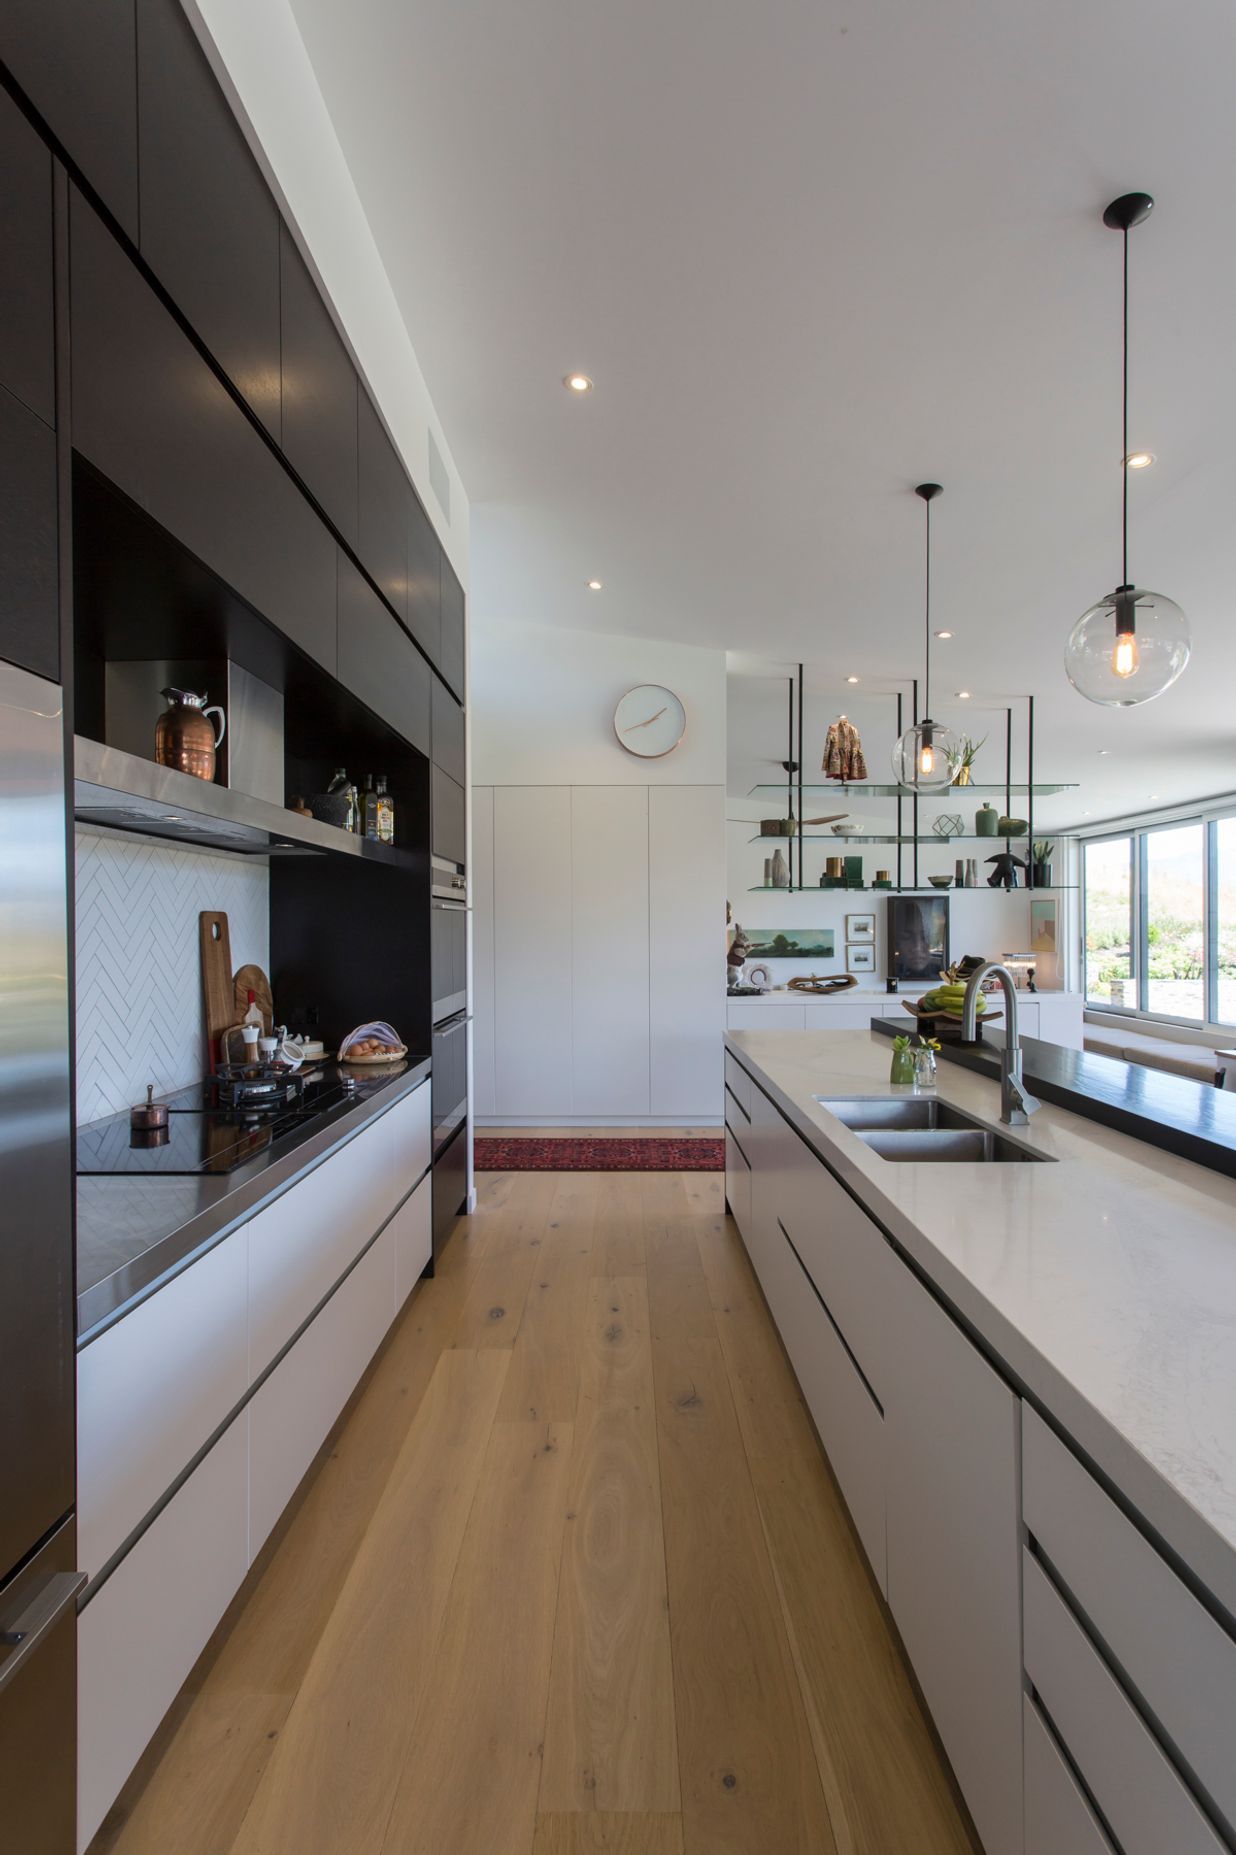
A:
[1016,1102]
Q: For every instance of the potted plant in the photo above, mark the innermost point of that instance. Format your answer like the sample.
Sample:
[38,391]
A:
[1043,847]
[962,758]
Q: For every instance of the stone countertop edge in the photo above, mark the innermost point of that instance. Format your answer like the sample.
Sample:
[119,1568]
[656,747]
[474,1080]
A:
[1168,1453]
[229,1200]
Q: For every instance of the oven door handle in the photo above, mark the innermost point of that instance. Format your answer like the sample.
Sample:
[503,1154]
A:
[455,1022]
[22,1634]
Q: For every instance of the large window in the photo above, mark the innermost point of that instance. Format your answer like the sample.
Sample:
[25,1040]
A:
[1160,921]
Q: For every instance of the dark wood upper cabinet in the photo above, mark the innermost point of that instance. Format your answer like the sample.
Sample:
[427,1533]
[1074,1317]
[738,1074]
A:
[424,582]
[385,496]
[378,661]
[447,823]
[27,330]
[451,656]
[76,60]
[448,733]
[319,393]
[153,418]
[29,599]
[209,226]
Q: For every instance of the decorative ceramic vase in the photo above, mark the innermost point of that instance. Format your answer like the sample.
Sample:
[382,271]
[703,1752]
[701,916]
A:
[185,737]
[1042,875]
[971,872]
[780,871]
[901,1075]
[962,776]
[986,819]
[768,881]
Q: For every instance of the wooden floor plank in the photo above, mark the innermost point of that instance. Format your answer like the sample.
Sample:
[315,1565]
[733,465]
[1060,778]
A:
[747,1768]
[886,1786]
[330,1786]
[471,1781]
[618,1230]
[544,1376]
[610,1741]
[607,1834]
[679,1301]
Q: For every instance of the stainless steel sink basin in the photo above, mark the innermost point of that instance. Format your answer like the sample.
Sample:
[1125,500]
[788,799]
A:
[921,1129]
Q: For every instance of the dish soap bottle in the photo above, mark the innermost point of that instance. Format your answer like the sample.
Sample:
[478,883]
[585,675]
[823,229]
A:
[385,812]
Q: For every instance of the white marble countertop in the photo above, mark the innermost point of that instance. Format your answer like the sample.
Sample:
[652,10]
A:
[1106,1282]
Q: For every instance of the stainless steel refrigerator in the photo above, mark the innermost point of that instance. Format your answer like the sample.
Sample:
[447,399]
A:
[38,1580]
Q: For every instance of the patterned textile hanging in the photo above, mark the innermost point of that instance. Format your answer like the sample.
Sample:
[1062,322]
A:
[843,752]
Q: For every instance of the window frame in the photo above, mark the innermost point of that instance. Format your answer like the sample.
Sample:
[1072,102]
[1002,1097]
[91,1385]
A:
[1138,834]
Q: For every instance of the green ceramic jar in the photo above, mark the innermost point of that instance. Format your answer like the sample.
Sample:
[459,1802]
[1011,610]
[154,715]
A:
[985,820]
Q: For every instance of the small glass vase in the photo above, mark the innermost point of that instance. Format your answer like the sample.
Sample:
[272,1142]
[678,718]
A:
[962,776]
[923,1064]
[901,1075]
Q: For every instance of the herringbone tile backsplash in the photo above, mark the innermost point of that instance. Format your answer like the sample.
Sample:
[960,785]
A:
[139,969]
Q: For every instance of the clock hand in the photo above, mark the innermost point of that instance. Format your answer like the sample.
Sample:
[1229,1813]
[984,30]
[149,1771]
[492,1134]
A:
[645,724]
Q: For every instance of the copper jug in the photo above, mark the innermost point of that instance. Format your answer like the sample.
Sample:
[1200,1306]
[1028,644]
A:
[185,737]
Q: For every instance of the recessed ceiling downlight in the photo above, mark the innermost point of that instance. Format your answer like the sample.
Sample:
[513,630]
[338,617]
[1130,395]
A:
[963,695]
[851,679]
[1139,460]
[943,634]
[594,586]
[577,383]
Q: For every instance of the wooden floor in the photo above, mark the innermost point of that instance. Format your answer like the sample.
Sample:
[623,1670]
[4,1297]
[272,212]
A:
[573,1577]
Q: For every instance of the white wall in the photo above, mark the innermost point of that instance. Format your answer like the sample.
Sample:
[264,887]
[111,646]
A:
[260,58]
[543,699]
[598,883]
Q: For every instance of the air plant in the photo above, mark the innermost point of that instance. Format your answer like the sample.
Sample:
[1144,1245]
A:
[963,757]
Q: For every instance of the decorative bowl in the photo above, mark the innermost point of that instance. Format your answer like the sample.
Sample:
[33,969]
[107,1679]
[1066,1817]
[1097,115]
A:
[847,830]
[940,882]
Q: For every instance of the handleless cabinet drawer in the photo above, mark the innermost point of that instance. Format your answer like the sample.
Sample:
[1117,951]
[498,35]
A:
[739,1084]
[843,1252]
[300,1245]
[152,1390]
[1130,1778]
[1168,1647]
[737,1183]
[1059,1821]
[408,1131]
[412,1231]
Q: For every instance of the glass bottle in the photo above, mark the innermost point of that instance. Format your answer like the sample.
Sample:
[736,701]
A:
[386,812]
[369,810]
[341,783]
[924,1061]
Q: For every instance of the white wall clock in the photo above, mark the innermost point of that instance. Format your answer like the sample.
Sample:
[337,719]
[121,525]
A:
[650,721]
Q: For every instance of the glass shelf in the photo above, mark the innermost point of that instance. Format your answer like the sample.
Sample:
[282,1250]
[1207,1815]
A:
[1017,790]
[932,837]
[908,888]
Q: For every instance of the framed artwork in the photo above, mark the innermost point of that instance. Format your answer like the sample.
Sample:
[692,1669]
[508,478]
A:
[1043,930]
[860,957]
[917,936]
[792,944]
[859,927]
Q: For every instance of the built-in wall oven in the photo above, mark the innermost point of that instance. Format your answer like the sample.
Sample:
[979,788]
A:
[448,956]
[448,939]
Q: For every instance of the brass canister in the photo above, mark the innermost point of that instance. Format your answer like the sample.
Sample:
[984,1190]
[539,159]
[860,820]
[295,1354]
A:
[185,736]
[834,866]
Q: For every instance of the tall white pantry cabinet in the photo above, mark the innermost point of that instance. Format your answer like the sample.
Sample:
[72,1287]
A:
[600,952]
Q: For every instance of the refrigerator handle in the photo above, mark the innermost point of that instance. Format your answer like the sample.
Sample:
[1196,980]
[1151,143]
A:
[22,1635]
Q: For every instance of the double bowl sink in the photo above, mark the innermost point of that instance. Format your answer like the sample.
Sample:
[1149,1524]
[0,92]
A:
[920,1129]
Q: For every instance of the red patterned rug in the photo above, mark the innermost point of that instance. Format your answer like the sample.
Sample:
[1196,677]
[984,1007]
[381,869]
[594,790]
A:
[569,1154]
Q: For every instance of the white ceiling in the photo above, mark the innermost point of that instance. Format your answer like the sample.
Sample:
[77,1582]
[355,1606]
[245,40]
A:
[812,253]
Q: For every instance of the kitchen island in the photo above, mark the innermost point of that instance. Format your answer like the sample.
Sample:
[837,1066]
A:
[1024,1377]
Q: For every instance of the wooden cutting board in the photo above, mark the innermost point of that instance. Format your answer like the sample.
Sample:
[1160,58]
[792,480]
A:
[217,991]
[253,979]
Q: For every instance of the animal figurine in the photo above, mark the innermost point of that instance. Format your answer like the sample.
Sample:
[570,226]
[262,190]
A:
[1007,866]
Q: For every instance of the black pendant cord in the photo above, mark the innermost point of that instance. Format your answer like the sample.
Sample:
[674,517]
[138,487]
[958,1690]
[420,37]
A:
[1124,454]
[927,623]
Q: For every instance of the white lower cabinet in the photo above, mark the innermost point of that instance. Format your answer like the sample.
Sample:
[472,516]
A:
[152,1390]
[291,1414]
[140,1636]
[953,1548]
[1059,1821]
[412,1230]
[737,1184]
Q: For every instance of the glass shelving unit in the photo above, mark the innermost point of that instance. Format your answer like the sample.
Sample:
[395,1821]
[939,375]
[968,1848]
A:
[953,795]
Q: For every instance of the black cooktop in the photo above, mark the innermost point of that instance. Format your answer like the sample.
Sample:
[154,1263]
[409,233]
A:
[206,1133]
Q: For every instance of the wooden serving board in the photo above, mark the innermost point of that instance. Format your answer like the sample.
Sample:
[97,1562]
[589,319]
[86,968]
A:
[216,977]
[253,979]
[945,1019]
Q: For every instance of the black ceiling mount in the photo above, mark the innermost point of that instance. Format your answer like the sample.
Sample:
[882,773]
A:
[928,490]
[1129,210]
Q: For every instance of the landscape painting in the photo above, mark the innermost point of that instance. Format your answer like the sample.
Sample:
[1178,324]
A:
[792,944]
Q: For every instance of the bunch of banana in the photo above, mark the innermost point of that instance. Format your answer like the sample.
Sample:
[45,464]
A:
[949,998]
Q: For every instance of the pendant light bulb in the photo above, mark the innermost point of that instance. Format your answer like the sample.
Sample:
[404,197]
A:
[1131,645]
[923,756]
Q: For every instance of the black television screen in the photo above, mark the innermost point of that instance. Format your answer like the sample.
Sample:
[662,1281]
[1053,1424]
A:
[917,936]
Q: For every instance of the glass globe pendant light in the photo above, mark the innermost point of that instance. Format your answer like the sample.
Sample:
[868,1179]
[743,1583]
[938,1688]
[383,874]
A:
[1132,644]
[924,754]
